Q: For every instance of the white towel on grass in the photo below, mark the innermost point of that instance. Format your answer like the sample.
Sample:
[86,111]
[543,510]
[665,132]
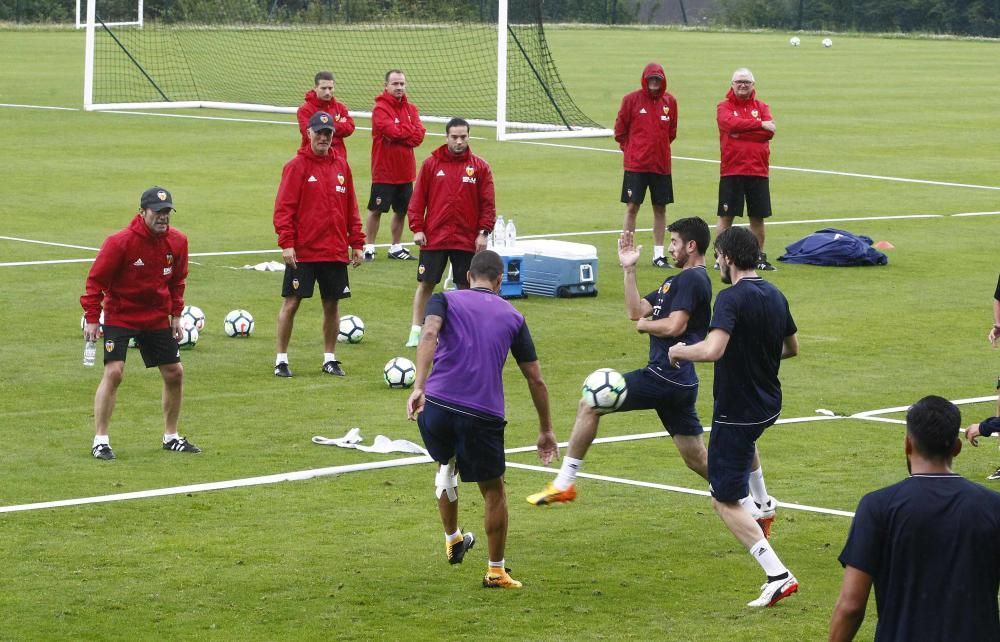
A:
[382,444]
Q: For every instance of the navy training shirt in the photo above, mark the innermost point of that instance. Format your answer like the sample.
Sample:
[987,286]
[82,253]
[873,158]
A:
[689,290]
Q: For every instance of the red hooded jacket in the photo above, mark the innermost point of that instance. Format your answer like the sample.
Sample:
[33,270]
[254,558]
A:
[316,210]
[744,143]
[396,130]
[646,125]
[342,122]
[457,194]
[139,277]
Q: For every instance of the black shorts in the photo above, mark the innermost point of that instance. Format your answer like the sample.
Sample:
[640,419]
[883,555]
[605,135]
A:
[430,268]
[386,195]
[661,188]
[157,347]
[673,404]
[332,277]
[730,455]
[734,190]
[475,441]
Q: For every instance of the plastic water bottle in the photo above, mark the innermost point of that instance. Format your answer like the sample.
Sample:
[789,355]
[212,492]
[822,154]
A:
[89,353]
[511,233]
[500,232]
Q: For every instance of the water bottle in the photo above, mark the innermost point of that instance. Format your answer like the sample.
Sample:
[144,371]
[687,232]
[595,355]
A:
[511,233]
[89,353]
[500,232]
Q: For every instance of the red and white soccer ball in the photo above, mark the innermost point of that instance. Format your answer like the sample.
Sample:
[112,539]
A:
[239,323]
[193,316]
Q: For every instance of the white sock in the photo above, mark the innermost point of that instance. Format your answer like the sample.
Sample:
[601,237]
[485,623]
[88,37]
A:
[500,565]
[567,473]
[281,358]
[757,488]
[767,558]
[395,247]
[369,248]
[101,439]
[328,356]
[657,251]
[168,438]
[454,536]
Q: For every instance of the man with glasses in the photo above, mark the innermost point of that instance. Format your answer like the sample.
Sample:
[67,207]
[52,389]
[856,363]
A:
[138,281]
[745,131]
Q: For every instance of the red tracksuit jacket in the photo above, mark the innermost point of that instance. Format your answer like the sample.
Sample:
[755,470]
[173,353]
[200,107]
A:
[316,210]
[396,130]
[744,143]
[646,125]
[342,122]
[139,277]
[456,192]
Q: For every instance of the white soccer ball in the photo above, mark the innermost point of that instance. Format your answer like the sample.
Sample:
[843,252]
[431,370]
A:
[239,323]
[352,329]
[399,372]
[193,316]
[795,42]
[604,390]
[189,336]
[827,42]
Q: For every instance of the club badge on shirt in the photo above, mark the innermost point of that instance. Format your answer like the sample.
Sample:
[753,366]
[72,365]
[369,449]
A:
[470,174]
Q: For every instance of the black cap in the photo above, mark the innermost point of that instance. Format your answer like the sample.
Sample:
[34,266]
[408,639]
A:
[320,121]
[156,199]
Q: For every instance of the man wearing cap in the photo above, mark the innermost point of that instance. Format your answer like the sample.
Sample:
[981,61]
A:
[319,232]
[320,98]
[644,129]
[138,281]
[396,132]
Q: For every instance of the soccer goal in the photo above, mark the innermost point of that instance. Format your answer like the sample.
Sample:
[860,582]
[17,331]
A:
[483,60]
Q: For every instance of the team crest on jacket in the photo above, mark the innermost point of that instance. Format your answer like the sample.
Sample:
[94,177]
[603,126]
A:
[754,113]
[666,110]
[170,258]
[109,345]
[340,188]
[470,174]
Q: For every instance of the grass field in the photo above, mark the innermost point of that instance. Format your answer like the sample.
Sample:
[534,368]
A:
[889,138]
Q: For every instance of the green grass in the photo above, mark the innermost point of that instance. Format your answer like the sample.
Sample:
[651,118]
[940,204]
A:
[359,556]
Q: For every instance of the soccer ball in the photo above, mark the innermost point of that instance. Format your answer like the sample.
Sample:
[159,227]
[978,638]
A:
[239,323]
[604,390]
[189,336]
[193,316]
[795,42]
[352,329]
[827,42]
[399,372]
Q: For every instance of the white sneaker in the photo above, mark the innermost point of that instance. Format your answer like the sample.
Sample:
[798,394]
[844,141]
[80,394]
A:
[772,592]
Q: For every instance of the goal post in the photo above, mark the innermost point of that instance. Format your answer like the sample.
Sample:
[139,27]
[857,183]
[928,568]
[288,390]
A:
[483,60]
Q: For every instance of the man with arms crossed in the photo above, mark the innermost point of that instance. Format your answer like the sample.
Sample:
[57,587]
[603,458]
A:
[459,405]
[930,544]
[751,331]
[320,98]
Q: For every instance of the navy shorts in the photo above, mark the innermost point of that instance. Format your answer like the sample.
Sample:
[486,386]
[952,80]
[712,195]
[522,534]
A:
[386,195]
[734,190]
[634,184]
[673,404]
[157,347]
[475,441]
[332,277]
[430,268]
[730,455]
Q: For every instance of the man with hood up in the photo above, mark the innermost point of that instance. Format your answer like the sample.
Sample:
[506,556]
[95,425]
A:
[644,129]
[320,98]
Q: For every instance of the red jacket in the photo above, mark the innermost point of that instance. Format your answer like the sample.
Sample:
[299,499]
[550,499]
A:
[316,210]
[342,122]
[396,130]
[139,278]
[457,194]
[744,143]
[646,125]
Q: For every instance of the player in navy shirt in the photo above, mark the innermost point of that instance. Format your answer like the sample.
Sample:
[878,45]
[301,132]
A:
[751,332]
[930,544]
[459,405]
[678,310]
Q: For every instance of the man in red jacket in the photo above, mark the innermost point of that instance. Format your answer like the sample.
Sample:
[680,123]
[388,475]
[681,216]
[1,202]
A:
[320,98]
[644,129]
[451,215]
[138,280]
[319,232]
[396,131]
[745,127]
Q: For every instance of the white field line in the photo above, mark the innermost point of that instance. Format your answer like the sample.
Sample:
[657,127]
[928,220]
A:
[75,247]
[39,107]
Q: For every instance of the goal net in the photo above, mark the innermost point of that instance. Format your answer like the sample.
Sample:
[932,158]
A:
[483,60]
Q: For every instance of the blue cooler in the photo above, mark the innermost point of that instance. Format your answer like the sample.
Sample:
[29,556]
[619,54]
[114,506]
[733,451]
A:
[558,268]
[512,286]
